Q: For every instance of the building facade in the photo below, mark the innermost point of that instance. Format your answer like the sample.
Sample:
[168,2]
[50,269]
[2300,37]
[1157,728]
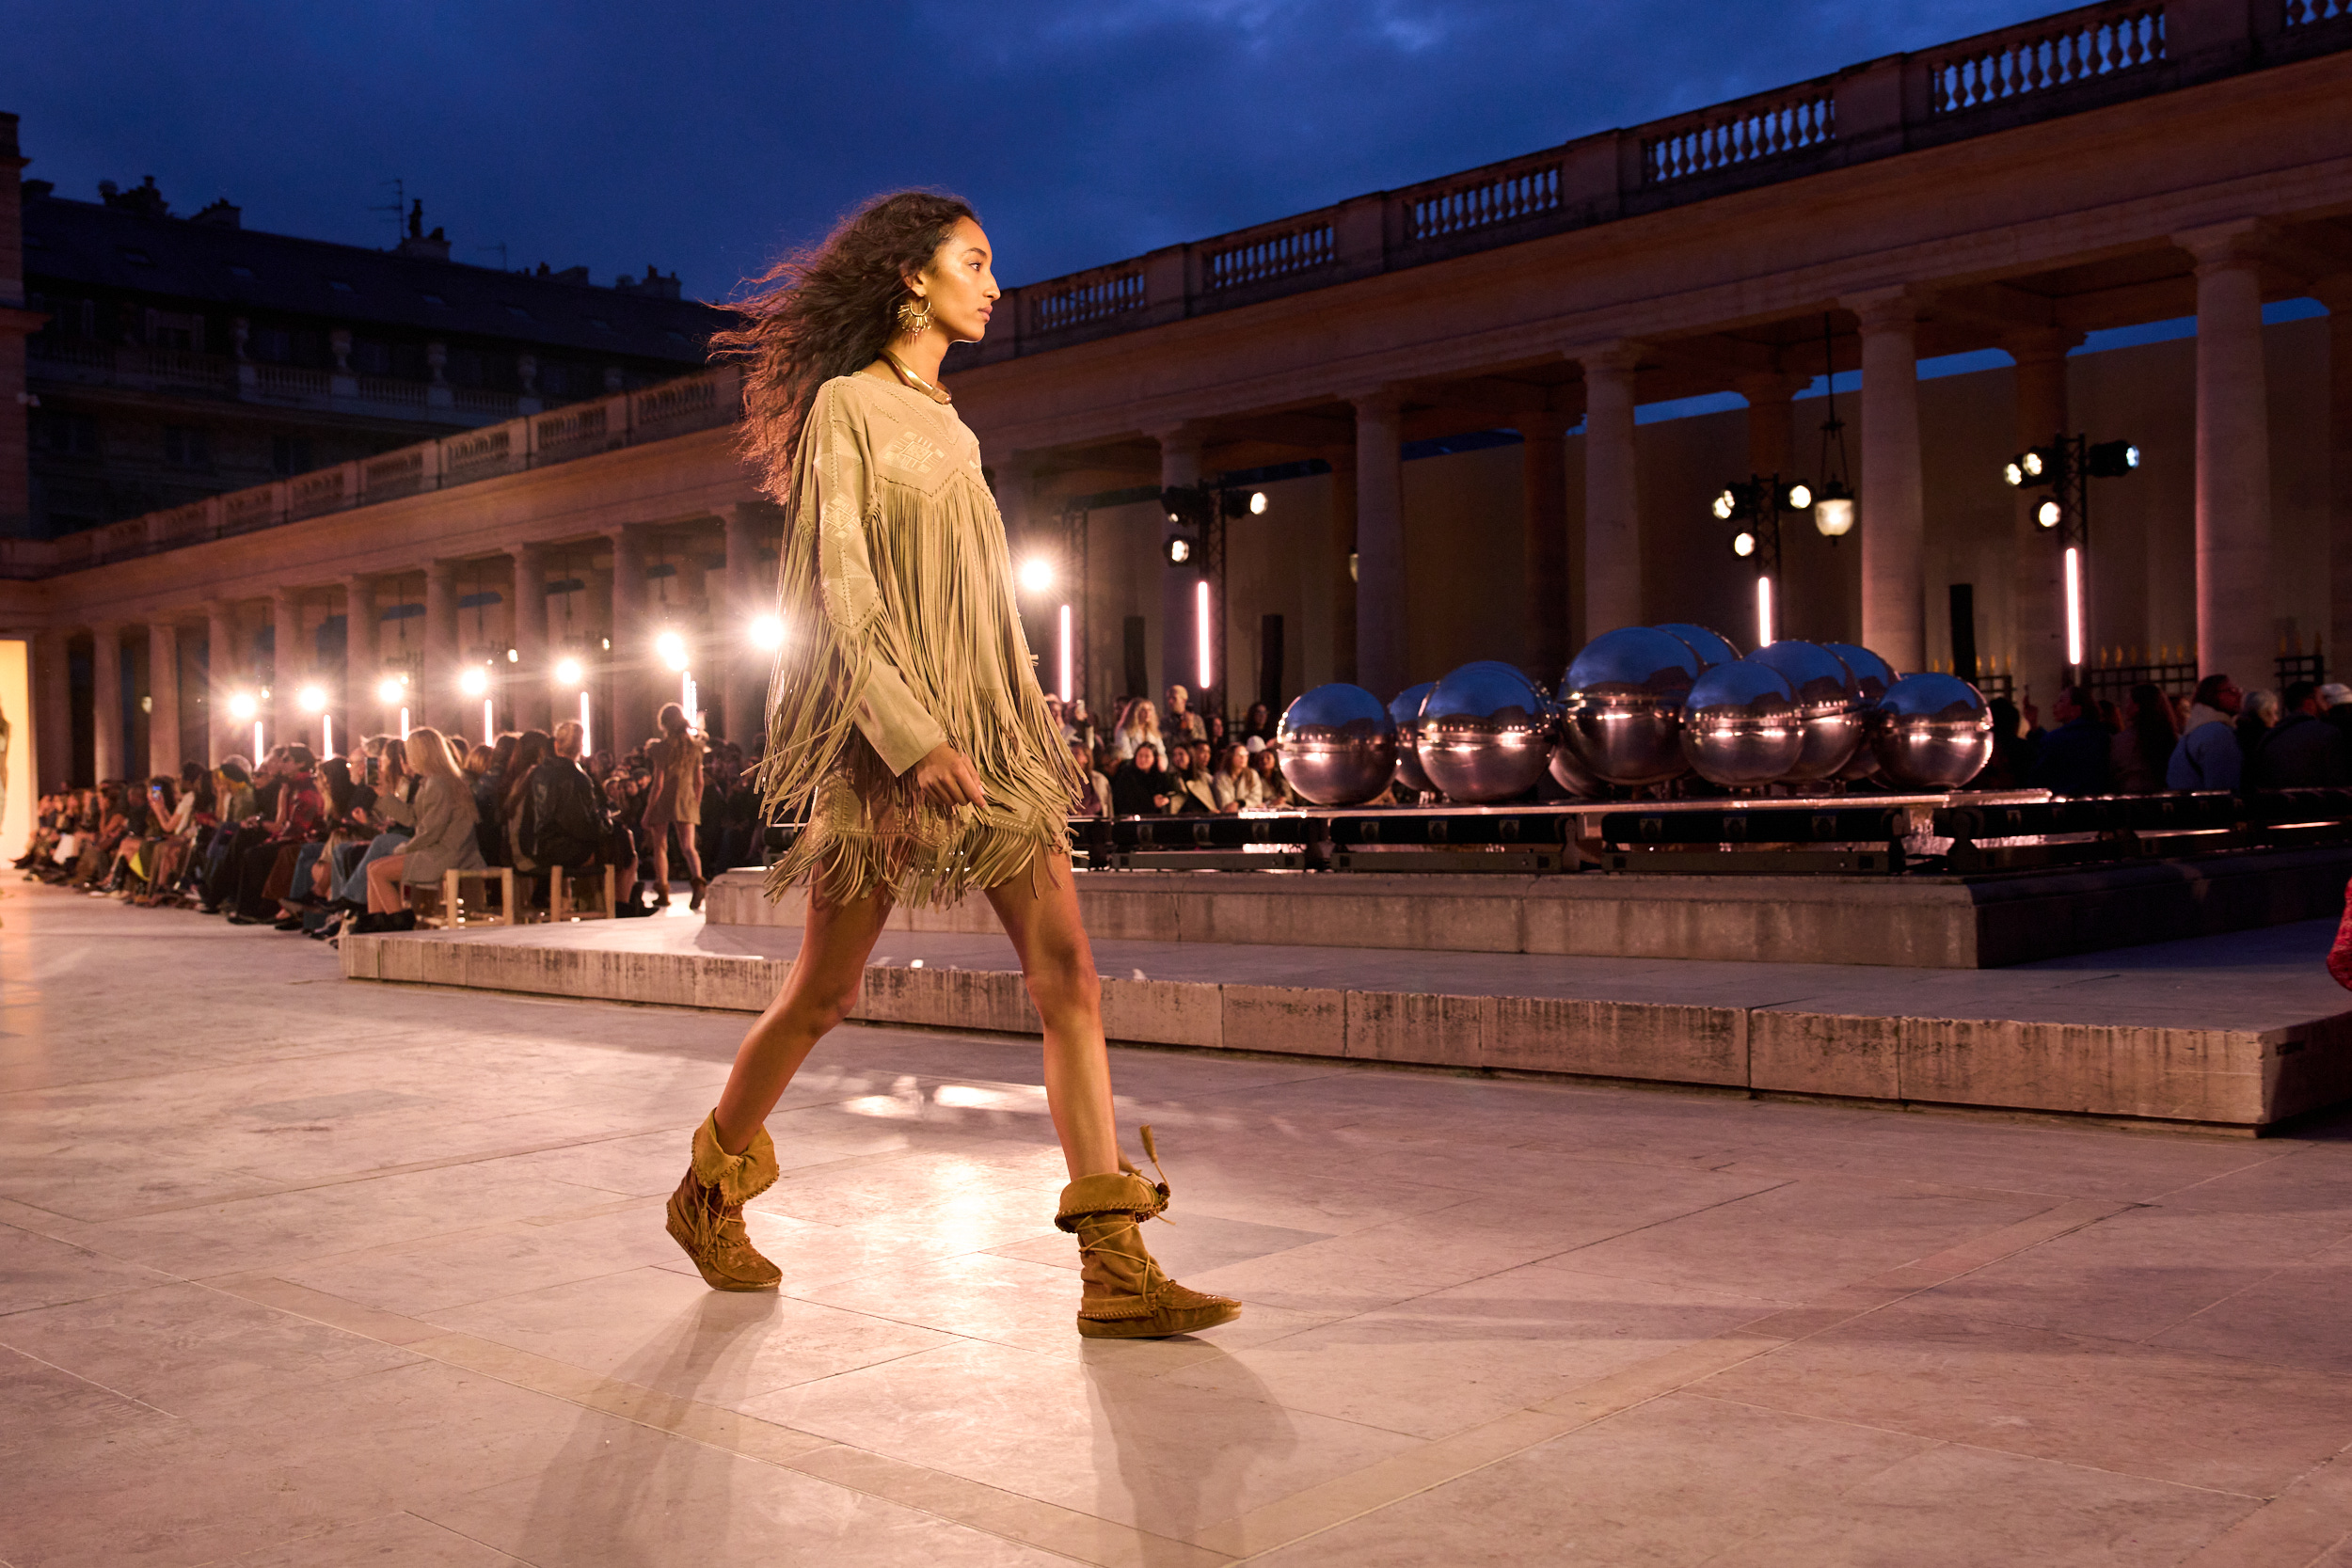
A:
[1488,414]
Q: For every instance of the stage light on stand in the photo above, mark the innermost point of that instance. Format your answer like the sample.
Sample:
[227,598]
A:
[1743,544]
[1257,503]
[1726,505]
[242,706]
[390,690]
[474,681]
[1179,551]
[671,647]
[1799,497]
[567,671]
[767,633]
[2112,459]
[2049,514]
[1035,575]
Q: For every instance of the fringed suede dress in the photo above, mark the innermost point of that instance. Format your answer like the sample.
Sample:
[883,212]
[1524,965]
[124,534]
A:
[900,632]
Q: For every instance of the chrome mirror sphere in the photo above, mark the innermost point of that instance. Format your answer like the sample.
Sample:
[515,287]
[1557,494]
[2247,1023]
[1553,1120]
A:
[1404,713]
[1871,676]
[1623,698]
[1337,746]
[1567,770]
[1742,729]
[1485,733]
[1712,647]
[1934,732]
[1826,706]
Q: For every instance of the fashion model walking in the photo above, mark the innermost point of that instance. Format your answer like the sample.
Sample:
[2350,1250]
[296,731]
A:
[907,731]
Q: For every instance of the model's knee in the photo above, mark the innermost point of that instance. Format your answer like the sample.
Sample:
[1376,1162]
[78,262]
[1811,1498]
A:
[823,1009]
[1064,984]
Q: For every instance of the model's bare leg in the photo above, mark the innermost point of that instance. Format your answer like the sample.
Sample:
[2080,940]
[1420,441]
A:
[1124,1293]
[1039,913]
[817,996]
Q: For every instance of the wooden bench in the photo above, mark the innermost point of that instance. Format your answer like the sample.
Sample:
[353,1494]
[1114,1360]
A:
[456,911]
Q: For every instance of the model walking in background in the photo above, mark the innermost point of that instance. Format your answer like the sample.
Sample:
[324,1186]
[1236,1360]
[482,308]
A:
[907,729]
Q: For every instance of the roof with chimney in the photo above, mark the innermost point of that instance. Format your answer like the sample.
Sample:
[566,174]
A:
[128,241]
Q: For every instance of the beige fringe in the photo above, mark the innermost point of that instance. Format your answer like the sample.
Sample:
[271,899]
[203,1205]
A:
[945,579]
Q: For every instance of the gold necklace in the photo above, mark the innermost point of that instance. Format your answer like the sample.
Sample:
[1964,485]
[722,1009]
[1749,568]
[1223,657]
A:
[937,394]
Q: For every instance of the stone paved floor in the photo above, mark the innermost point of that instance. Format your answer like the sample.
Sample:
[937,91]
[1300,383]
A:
[307,1273]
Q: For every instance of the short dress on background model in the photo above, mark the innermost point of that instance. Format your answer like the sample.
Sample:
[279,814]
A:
[901,632]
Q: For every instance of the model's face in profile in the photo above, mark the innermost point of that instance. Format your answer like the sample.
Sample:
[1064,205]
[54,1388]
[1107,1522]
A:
[960,285]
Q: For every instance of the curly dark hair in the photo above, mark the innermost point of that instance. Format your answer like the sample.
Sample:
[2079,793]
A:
[825,313]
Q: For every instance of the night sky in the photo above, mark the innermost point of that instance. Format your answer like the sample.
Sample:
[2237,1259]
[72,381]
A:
[706,137]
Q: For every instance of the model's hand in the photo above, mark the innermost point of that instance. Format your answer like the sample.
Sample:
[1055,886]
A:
[946,777]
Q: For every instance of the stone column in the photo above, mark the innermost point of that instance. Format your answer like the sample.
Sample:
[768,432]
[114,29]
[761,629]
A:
[1893,510]
[1544,539]
[1180,466]
[1612,494]
[2234,627]
[163,695]
[222,678]
[106,748]
[2036,579]
[748,599]
[1343,555]
[360,712]
[529,695]
[1772,426]
[289,668]
[632,658]
[53,711]
[436,699]
[1382,651]
[2336,294]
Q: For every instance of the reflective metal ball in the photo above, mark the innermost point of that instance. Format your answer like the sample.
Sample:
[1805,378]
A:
[1337,745]
[1826,705]
[1624,697]
[1871,677]
[1567,770]
[1404,713]
[1742,728]
[1712,647]
[1485,733]
[1934,732]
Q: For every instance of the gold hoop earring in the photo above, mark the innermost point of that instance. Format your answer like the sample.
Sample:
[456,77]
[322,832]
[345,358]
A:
[915,316]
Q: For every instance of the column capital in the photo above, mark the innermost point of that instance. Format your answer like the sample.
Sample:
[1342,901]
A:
[441,567]
[1545,423]
[2225,246]
[1894,308]
[2037,345]
[1382,399]
[1618,356]
[520,549]
[1769,386]
[1186,435]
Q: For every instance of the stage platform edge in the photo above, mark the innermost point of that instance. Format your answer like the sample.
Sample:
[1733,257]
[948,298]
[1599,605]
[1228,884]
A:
[1914,1041]
[1983,921]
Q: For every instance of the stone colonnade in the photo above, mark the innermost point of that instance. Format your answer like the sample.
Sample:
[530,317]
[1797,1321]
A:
[625,679]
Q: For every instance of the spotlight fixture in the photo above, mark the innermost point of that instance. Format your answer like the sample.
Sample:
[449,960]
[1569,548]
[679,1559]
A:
[1726,505]
[390,690]
[1180,550]
[313,698]
[2049,514]
[242,706]
[671,647]
[1743,544]
[1035,575]
[2112,459]
[474,681]
[767,633]
[1257,503]
[567,671]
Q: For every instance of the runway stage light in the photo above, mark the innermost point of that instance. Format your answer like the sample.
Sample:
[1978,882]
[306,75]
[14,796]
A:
[671,647]
[313,698]
[1037,575]
[474,681]
[390,690]
[567,671]
[767,633]
[242,706]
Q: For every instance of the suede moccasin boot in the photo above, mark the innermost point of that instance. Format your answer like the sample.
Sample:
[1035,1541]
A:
[1124,1295]
[707,1211]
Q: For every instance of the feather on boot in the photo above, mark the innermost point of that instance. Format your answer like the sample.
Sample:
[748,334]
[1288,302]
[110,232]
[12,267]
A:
[1124,1293]
[707,1211]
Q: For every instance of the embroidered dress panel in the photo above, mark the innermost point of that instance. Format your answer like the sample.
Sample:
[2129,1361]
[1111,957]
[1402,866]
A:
[896,596]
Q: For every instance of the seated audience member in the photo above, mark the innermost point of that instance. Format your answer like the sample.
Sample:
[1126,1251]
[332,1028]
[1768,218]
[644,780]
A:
[2208,756]
[1194,792]
[2335,705]
[1268,765]
[1237,787]
[2302,750]
[2141,750]
[445,840]
[1078,724]
[2072,759]
[1094,796]
[566,824]
[1259,722]
[1138,727]
[513,798]
[1143,788]
[2255,721]
[300,809]
[1177,720]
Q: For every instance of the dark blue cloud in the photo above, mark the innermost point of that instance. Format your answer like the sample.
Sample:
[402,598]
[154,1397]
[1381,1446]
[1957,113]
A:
[705,137]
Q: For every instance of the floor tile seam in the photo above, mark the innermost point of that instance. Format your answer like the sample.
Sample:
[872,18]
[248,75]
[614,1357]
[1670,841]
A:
[103,1387]
[2247,1169]
[166,1074]
[462,1535]
[704,1416]
[1974,1446]
[1016,1498]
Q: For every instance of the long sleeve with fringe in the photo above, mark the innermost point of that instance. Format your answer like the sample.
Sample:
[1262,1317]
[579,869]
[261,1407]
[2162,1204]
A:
[901,632]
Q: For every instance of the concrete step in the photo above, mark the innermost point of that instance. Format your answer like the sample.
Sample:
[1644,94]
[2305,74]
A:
[2235,1032]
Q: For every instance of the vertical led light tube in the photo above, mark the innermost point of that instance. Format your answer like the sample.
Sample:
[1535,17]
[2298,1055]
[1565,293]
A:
[1065,652]
[686,696]
[327,735]
[587,742]
[1763,612]
[2075,606]
[1201,627]
[403,724]
[489,723]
